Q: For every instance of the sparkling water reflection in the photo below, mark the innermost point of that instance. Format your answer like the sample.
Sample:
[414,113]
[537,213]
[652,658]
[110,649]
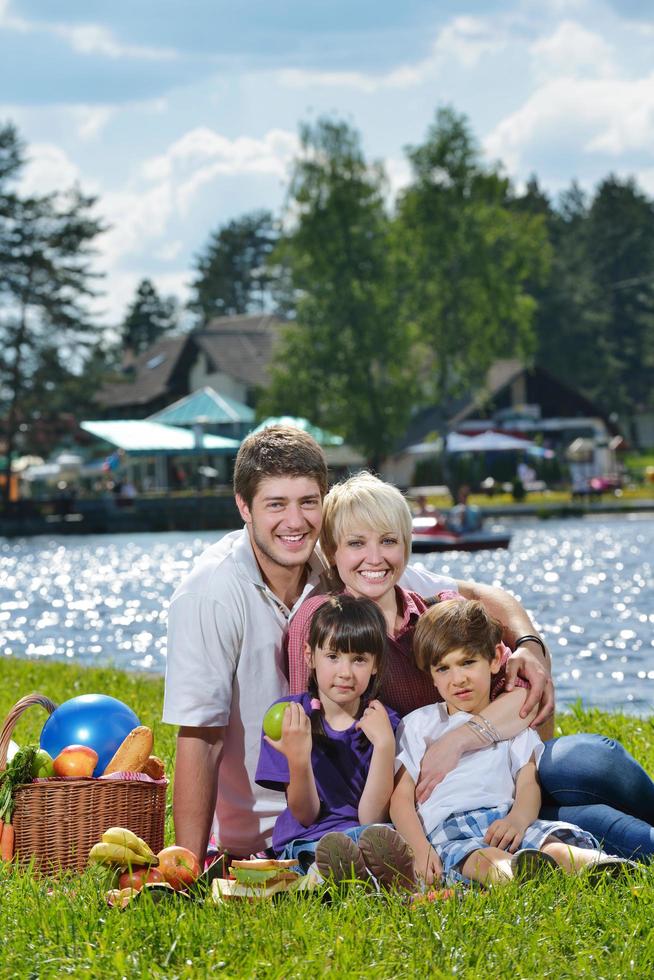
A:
[588,584]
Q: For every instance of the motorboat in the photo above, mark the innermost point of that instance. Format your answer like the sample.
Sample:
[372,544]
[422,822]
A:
[431,533]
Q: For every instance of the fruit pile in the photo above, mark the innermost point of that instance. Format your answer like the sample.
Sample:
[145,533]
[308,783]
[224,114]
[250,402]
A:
[137,867]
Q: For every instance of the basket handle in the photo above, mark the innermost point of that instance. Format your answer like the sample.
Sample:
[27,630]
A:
[14,715]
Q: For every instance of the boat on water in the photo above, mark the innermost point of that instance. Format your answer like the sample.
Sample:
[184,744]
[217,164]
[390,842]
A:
[431,533]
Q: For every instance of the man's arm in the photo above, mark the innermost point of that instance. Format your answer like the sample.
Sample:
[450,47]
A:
[528,659]
[196,782]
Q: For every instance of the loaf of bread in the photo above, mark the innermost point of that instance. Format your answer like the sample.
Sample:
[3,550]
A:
[133,752]
[154,768]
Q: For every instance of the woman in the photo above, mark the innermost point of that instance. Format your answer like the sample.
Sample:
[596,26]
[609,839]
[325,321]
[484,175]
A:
[587,780]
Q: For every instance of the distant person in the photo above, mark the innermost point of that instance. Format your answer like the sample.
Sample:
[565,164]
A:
[464,518]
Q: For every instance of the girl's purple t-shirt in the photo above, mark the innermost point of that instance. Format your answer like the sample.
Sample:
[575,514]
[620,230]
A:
[340,768]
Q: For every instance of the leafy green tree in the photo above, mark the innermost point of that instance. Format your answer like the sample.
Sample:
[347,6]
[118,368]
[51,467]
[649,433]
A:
[344,363]
[232,273]
[45,280]
[466,258]
[621,251]
[148,318]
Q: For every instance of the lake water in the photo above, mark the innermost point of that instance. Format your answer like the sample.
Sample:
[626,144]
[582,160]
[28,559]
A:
[587,582]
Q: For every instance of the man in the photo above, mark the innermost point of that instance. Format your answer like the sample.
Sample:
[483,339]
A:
[226,627]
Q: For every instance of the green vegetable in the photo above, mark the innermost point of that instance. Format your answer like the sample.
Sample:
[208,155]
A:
[18,772]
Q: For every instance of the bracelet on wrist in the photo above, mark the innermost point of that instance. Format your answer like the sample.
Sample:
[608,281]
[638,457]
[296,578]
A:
[531,638]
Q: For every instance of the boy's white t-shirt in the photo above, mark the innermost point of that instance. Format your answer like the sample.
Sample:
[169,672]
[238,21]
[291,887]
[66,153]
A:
[485,778]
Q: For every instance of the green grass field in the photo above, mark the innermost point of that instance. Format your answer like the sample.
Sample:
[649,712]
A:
[558,927]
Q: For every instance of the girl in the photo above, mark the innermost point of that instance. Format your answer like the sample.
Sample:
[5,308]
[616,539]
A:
[336,754]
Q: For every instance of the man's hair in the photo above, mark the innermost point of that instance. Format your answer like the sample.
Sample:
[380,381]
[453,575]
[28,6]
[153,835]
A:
[277,450]
[452,625]
[364,501]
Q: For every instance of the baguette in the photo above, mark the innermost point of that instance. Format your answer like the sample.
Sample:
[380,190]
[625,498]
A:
[133,752]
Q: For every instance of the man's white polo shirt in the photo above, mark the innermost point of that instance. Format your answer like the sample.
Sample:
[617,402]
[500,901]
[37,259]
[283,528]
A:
[225,666]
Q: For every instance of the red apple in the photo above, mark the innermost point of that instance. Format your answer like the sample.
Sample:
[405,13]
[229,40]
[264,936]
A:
[75,760]
[179,866]
[138,877]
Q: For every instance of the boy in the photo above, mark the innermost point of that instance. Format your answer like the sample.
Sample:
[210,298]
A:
[480,823]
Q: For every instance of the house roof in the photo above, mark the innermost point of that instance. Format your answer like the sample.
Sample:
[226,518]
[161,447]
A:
[205,407]
[152,371]
[554,396]
[141,437]
[240,346]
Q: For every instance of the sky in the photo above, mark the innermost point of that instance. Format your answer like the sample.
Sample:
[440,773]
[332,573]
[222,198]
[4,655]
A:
[181,115]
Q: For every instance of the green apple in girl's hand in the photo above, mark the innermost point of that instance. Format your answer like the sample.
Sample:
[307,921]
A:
[273,718]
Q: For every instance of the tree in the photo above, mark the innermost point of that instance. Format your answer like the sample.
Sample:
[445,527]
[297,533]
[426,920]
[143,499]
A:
[621,251]
[45,280]
[148,318]
[344,363]
[232,273]
[465,257]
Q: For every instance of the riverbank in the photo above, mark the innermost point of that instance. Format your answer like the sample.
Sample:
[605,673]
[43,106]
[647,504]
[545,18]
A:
[559,927]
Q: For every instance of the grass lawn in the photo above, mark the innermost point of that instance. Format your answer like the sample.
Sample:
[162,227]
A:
[559,927]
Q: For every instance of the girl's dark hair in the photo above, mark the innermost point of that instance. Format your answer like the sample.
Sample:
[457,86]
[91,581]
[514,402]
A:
[351,625]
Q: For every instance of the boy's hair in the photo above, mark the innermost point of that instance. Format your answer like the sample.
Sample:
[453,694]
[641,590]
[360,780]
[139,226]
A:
[364,500]
[351,625]
[278,450]
[452,625]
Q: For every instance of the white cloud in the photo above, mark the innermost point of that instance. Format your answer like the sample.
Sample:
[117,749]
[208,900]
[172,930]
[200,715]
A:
[201,155]
[464,41]
[607,116]
[572,50]
[47,169]
[91,120]
[91,39]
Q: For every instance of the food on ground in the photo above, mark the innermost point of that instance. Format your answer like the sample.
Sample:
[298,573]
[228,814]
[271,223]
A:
[138,877]
[119,897]
[119,856]
[179,866]
[75,760]
[96,720]
[273,718]
[127,838]
[121,848]
[256,878]
[43,765]
[154,768]
[133,752]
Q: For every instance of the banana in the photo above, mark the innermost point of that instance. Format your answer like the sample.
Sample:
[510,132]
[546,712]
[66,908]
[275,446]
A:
[120,835]
[118,854]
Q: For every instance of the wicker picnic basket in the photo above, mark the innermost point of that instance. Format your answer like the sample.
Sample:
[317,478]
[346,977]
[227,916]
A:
[57,822]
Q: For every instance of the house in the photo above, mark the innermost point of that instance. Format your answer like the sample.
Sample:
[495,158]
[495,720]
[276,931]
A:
[230,355]
[517,400]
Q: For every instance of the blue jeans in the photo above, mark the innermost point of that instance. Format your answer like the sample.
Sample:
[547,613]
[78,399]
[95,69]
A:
[593,782]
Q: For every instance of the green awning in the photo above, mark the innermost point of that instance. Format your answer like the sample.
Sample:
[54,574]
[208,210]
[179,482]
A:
[322,437]
[205,407]
[141,437]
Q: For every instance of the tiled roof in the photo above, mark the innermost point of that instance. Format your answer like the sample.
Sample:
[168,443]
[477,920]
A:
[151,373]
[241,346]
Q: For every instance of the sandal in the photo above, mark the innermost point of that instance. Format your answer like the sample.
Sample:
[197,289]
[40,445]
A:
[339,859]
[388,857]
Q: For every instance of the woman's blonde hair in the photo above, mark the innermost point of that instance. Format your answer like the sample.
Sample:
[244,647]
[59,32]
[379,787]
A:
[364,501]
